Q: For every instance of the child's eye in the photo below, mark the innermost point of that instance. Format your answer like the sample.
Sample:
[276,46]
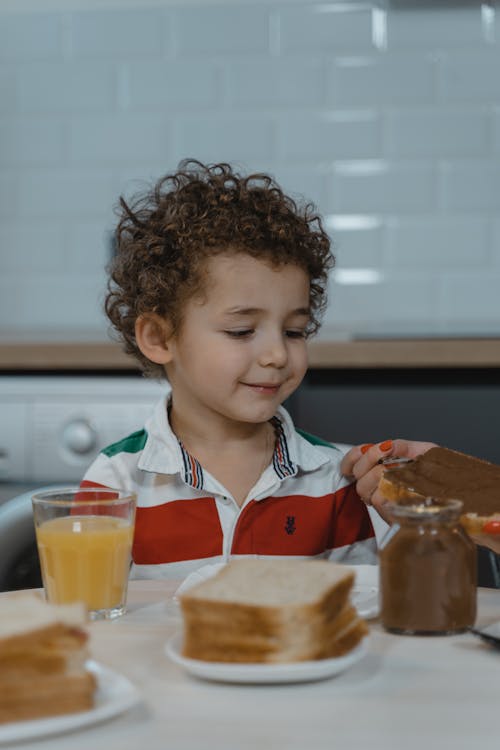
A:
[240,334]
[292,334]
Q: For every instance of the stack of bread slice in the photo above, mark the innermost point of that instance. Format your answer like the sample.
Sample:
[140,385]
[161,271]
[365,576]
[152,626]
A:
[43,650]
[258,611]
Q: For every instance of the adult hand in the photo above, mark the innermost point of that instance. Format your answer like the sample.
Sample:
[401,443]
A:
[362,463]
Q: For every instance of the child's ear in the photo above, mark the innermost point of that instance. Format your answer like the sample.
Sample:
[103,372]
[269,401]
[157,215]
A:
[153,334]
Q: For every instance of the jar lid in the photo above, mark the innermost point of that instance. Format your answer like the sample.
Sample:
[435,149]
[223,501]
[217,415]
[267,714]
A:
[425,508]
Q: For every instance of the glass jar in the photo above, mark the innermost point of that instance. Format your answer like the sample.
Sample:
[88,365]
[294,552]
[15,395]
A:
[427,569]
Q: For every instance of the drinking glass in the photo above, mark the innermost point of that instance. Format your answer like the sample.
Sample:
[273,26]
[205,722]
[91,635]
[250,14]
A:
[84,538]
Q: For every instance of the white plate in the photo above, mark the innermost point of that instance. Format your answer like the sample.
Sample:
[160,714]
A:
[492,629]
[198,576]
[115,695]
[364,593]
[300,671]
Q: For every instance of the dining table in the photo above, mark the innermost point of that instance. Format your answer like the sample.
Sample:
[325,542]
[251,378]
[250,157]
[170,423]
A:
[406,692]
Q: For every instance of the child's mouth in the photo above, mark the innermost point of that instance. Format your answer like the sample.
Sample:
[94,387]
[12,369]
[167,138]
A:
[269,388]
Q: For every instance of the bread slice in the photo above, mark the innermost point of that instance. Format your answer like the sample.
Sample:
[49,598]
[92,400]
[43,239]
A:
[444,473]
[26,619]
[46,696]
[43,653]
[271,611]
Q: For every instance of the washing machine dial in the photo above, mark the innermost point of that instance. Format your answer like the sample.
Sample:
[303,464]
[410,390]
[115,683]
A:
[79,437]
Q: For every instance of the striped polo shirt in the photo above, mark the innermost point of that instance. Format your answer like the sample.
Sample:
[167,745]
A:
[301,506]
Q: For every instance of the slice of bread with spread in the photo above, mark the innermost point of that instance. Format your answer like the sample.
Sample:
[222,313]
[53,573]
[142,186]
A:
[445,473]
[43,653]
[258,611]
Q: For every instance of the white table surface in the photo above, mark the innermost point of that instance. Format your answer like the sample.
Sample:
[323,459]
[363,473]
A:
[407,693]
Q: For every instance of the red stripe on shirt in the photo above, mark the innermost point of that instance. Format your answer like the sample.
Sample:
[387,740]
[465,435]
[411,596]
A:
[195,480]
[178,530]
[279,452]
[97,496]
[90,497]
[302,525]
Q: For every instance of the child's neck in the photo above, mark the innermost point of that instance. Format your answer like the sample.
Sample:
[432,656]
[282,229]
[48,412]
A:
[235,457]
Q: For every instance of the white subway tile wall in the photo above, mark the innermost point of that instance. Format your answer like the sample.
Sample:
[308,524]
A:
[386,114]
[344,28]
[69,88]
[496,131]
[31,36]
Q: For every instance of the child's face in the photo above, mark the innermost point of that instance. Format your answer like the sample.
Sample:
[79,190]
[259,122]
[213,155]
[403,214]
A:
[241,350]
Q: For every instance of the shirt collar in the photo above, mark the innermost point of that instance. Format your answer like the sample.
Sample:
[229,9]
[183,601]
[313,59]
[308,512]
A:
[163,453]
[302,454]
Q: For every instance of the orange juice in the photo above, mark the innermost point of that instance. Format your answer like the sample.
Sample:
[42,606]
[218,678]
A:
[85,558]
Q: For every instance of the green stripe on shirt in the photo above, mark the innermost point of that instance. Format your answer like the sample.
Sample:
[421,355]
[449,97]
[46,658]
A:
[314,440]
[131,444]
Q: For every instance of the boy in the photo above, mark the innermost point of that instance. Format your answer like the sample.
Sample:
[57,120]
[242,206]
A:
[217,282]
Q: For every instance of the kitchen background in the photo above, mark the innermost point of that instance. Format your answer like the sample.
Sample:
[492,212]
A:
[386,114]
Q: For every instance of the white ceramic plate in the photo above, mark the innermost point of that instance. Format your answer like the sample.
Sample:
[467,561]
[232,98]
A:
[115,695]
[364,593]
[492,629]
[303,671]
[198,576]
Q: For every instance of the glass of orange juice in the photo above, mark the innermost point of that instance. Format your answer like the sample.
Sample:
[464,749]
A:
[84,538]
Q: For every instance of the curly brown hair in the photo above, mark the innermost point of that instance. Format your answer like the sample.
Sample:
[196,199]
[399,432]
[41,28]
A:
[164,237]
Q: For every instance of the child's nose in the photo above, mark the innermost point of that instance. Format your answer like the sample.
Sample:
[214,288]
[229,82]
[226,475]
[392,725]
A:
[273,352]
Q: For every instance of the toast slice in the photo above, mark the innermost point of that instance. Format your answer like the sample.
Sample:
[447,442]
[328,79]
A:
[259,611]
[445,473]
[43,653]
[46,696]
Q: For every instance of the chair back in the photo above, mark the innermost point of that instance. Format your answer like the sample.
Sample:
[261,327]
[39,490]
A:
[18,553]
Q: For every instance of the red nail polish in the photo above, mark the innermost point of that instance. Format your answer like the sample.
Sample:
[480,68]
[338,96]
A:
[366,447]
[386,445]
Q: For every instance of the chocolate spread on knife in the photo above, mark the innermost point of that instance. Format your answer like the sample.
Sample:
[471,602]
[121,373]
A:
[444,473]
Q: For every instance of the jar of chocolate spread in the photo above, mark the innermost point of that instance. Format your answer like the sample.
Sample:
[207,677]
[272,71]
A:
[427,569]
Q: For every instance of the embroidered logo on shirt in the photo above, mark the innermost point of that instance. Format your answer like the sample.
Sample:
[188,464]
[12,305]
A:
[290,525]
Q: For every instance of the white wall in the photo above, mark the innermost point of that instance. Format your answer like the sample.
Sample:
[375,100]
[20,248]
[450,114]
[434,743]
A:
[386,114]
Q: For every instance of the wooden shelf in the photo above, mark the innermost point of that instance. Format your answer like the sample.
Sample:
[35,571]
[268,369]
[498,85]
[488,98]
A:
[323,354]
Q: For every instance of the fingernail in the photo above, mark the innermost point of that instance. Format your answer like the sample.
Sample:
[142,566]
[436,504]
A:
[386,445]
[366,447]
